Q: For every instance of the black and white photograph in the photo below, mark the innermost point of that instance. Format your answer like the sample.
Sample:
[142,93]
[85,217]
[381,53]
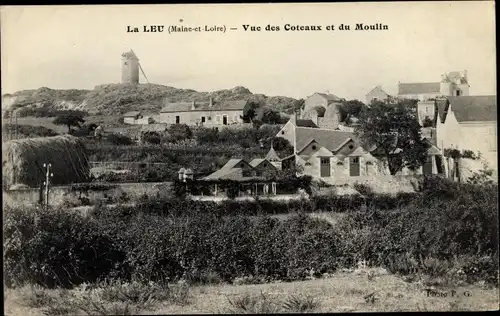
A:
[249,158]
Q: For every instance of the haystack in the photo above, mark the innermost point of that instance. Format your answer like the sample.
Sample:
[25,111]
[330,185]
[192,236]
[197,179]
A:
[23,161]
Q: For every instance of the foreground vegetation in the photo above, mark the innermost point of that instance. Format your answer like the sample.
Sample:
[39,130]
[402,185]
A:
[447,234]
[363,289]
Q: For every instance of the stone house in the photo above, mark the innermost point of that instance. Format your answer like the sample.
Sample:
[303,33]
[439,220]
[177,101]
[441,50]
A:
[336,157]
[377,94]
[205,114]
[468,123]
[323,110]
[454,83]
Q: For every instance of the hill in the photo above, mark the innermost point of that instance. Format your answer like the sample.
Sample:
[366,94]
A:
[120,98]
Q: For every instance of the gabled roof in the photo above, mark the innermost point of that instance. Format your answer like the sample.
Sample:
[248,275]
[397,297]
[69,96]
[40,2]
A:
[305,123]
[419,88]
[238,105]
[330,139]
[132,114]
[329,96]
[377,89]
[271,155]
[474,108]
[257,161]
[226,170]
[323,152]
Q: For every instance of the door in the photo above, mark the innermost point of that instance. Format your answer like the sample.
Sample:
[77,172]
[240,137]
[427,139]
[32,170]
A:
[427,168]
[177,119]
[202,119]
[224,120]
[354,166]
[325,167]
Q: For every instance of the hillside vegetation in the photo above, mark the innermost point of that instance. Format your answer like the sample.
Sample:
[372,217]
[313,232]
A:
[120,98]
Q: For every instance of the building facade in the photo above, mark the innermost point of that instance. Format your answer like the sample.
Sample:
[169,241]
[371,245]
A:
[468,123]
[203,114]
[377,94]
[454,83]
[323,110]
[336,157]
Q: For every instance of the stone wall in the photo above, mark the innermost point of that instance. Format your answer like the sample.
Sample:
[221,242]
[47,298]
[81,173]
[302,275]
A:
[60,194]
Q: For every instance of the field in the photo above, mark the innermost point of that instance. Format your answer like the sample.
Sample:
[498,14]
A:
[342,292]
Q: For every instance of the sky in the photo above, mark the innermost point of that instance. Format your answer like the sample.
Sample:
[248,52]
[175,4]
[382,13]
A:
[79,47]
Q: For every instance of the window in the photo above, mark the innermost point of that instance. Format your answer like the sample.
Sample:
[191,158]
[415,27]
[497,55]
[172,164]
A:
[325,161]
[458,92]
[313,147]
[355,160]
[258,173]
[177,119]
[247,173]
[203,119]
[351,146]
[282,132]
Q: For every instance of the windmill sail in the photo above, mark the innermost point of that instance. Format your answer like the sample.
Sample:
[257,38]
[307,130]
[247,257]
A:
[140,67]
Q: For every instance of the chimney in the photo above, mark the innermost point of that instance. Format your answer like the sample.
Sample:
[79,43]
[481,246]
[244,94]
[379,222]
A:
[210,102]
[193,107]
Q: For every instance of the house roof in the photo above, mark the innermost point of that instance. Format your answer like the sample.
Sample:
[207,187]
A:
[256,162]
[419,88]
[226,170]
[330,139]
[474,108]
[305,123]
[377,88]
[271,155]
[329,96]
[132,114]
[204,106]
[323,152]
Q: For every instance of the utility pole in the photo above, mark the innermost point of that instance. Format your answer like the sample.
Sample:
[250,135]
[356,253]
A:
[48,175]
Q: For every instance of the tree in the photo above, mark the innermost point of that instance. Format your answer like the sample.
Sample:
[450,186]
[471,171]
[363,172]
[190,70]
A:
[250,111]
[350,108]
[267,116]
[297,105]
[69,120]
[394,131]
[427,122]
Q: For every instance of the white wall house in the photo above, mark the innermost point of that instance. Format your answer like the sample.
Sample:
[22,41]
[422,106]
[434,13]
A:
[469,123]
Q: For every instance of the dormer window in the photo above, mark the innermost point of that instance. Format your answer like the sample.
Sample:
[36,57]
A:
[313,147]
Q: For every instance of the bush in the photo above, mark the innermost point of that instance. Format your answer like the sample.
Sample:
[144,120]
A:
[118,139]
[28,131]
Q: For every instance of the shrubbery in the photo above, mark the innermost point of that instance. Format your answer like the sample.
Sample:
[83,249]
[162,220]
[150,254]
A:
[448,228]
[27,131]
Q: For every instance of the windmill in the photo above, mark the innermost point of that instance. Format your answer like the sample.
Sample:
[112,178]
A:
[140,67]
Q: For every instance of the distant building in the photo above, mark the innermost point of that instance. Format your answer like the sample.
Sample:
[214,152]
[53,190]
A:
[323,110]
[377,94]
[337,157]
[206,114]
[454,83]
[136,118]
[130,68]
[468,123]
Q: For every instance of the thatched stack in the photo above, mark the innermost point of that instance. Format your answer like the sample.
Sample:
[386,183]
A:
[23,161]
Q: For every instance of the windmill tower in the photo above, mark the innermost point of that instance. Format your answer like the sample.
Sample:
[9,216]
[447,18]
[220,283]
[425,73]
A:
[130,68]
